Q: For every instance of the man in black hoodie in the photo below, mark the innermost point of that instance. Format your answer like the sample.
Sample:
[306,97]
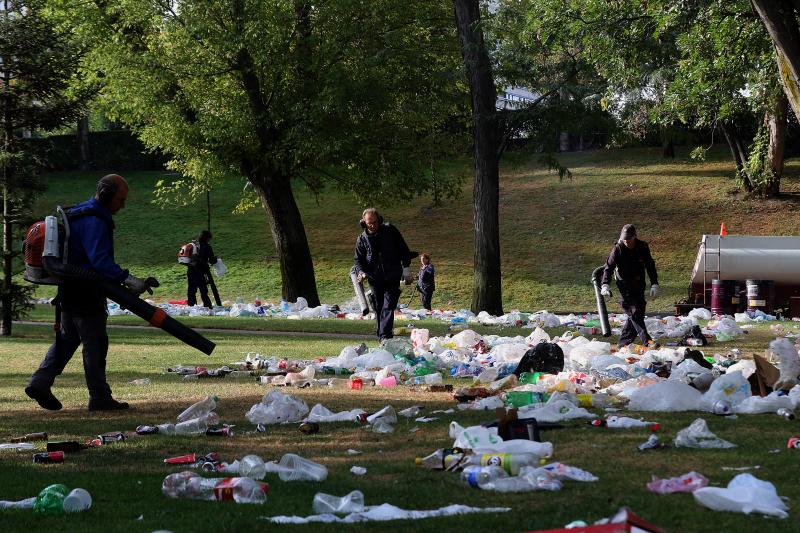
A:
[628,261]
[383,258]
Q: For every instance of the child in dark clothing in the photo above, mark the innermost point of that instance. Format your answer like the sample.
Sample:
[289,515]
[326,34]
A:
[425,281]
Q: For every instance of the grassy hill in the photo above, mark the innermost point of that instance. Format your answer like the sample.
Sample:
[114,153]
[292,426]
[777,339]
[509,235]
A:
[553,232]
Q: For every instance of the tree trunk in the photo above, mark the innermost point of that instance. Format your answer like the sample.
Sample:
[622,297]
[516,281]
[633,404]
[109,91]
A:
[8,132]
[289,234]
[780,19]
[83,143]
[667,146]
[487,289]
[776,123]
[738,154]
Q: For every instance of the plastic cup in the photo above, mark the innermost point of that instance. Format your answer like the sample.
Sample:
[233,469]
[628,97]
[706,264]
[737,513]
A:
[296,468]
[77,500]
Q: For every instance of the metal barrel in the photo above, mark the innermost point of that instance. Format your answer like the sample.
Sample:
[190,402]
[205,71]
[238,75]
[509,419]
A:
[601,302]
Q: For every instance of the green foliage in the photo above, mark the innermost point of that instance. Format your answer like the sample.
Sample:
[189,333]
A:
[356,95]
[758,168]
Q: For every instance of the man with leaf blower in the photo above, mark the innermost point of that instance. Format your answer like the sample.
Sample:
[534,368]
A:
[83,305]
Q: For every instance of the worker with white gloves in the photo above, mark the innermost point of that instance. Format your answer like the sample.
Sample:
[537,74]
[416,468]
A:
[628,261]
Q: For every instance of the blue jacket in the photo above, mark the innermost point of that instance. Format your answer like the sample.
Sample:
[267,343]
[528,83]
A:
[91,240]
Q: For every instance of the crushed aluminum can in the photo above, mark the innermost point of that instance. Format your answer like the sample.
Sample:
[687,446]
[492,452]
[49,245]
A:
[111,436]
[794,442]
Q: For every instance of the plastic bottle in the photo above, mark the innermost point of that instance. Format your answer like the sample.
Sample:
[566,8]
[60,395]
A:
[30,437]
[476,476]
[191,427]
[252,466]
[598,399]
[199,409]
[441,459]
[257,303]
[510,462]
[349,503]
[51,499]
[722,408]
[788,414]
[193,486]
[433,379]
[48,457]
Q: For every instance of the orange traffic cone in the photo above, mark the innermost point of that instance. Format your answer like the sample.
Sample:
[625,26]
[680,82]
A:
[723,231]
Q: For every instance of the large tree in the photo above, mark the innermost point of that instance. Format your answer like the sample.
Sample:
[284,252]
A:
[38,63]
[347,93]
[781,18]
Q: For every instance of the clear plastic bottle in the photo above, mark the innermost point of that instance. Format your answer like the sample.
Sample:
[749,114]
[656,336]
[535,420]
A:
[510,462]
[252,466]
[193,486]
[203,407]
[441,459]
[349,503]
[166,429]
[191,427]
[788,414]
[476,476]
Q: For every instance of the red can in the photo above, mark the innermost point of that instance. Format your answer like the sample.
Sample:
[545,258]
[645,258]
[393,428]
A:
[220,432]
[794,442]
[48,457]
[356,384]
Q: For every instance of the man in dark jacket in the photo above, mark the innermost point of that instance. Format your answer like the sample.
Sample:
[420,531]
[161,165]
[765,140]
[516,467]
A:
[628,261]
[383,258]
[83,306]
[198,273]
[425,280]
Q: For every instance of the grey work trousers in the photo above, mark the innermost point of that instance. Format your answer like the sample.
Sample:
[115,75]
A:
[91,332]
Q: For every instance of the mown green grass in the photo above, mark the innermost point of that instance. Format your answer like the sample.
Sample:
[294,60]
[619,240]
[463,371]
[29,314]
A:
[553,233]
[125,479]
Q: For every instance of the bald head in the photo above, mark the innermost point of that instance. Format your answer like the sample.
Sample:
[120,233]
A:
[112,191]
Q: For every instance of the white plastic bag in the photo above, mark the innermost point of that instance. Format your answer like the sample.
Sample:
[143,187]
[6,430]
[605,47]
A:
[665,396]
[219,268]
[744,494]
[731,388]
[277,408]
[320,413]
[768,404]
[554,411]
[700,314]
[789,363]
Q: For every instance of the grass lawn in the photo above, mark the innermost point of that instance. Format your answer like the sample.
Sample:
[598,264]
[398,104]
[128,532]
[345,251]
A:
[553,233]
[125,479]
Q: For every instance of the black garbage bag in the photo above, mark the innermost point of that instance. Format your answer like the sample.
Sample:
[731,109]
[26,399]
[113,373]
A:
[546,357]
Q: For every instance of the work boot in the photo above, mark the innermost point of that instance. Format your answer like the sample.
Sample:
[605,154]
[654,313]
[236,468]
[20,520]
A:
[106,404]
[44,397]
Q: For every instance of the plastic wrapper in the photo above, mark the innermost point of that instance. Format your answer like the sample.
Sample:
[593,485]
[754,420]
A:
[554,411]
[697,435]
[686,483]
[320,413]
[744,494]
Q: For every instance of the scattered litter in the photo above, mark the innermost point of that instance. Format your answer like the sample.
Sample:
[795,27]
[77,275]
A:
[351,451]
[426,419]
[358,470]
[349,503]
[741,468]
